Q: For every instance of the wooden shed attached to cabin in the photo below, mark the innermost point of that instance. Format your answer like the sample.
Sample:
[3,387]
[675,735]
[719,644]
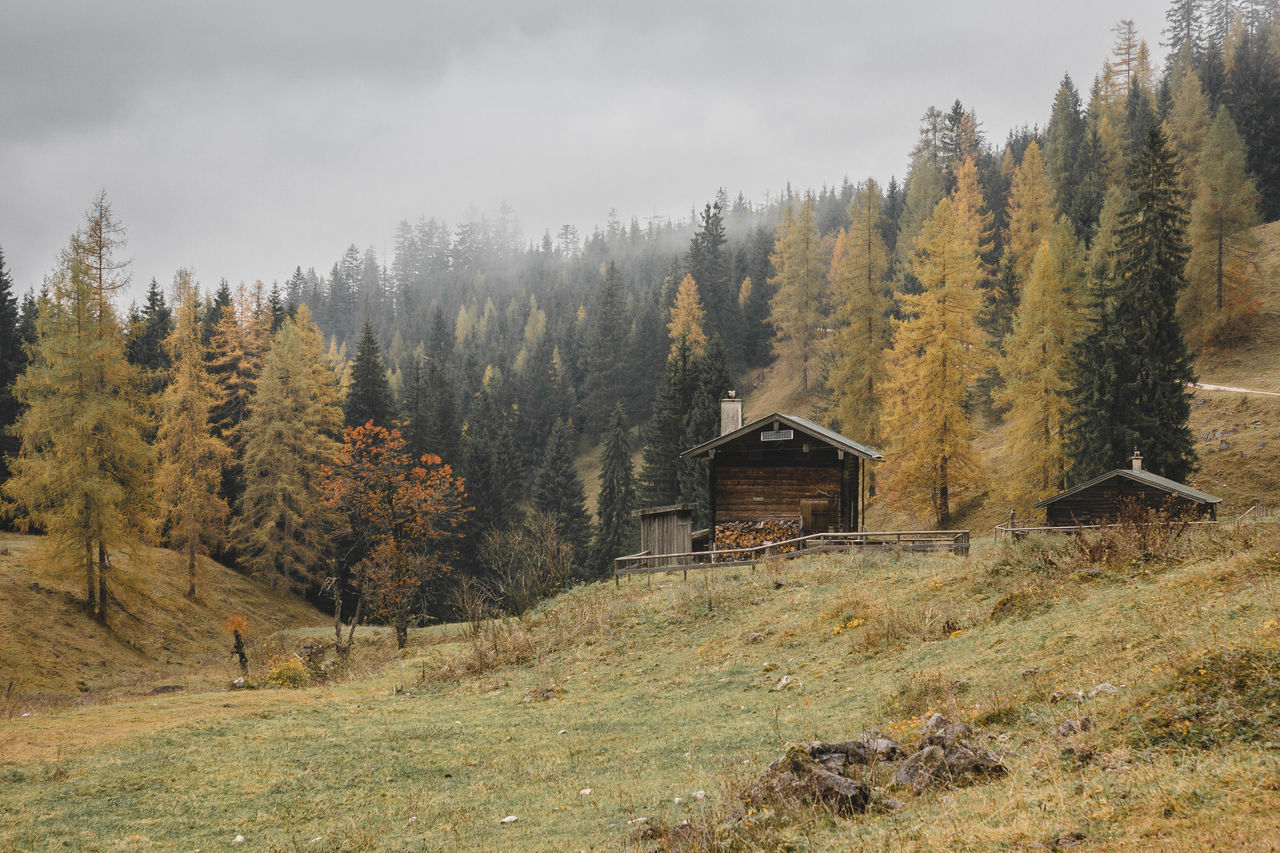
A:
[1099,501]
[784,468]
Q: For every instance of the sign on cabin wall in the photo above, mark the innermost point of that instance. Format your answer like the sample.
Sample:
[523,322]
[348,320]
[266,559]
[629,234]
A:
[777,435]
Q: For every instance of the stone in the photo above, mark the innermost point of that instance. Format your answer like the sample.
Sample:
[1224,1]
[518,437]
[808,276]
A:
[1105,688]
[238,684]
[883,748]
[946,736]
[755,637]
[509,819]
[922,770]
[1074,727]
[798,777]
[1223,444]
[786,683]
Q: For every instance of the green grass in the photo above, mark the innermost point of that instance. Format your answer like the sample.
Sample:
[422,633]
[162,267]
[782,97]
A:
[659,695]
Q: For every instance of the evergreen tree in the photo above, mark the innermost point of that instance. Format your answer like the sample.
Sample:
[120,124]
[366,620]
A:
[491,463]
[557,490]
[937,353]
[191,460]
[1036,367]
[709,263]
[12,362]
[145,346]
[369,398]
[710,382]
[859,279]
[281,528]
[1131,369]
[799,291]
[1253,96]
[1223,244]
[83,472]
[616,534]
[607,331]
[663,436]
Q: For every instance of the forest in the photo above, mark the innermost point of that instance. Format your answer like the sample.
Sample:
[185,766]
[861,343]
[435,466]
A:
[397,437]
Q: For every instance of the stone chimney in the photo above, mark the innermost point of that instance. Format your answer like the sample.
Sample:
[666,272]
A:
[730,414]
[1136,460]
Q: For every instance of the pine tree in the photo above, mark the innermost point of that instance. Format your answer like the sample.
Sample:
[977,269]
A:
[191,460]
[1222,240]
[281,526]
[557,491]
[859,279]
[800,291]
[369,398]
[605,370]
[1036,367]
[12,362]
[937,353]
[83,473]
[616,534]
[1131,370]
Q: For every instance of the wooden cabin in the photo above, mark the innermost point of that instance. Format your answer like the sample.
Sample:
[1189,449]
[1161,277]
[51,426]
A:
[1099,500]
[785,468]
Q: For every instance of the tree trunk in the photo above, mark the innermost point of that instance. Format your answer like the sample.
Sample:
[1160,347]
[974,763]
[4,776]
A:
[103,565]
[191,569]
[90,582]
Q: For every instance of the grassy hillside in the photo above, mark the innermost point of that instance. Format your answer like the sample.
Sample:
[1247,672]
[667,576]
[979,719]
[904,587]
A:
[50,651]
[614,704]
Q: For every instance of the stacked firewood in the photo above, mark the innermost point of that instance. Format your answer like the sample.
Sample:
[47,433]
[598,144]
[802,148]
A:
[748,534]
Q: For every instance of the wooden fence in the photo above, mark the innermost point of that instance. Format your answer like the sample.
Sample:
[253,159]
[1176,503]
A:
[954,541]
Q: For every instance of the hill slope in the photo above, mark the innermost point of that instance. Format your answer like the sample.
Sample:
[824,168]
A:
[50,649]
[613,704]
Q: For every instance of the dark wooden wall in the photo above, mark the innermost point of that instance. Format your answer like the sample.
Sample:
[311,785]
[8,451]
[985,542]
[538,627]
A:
[751,483]
[1100,504]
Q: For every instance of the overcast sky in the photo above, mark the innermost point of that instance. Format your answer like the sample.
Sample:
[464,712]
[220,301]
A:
[242,139]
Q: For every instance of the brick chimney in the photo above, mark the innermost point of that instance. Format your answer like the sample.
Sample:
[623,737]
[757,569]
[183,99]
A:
[1136,460]
[730,414]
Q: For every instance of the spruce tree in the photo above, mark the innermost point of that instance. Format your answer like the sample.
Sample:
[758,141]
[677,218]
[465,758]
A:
[616,534]
[83,473]
[145,346]
[557,490]
[369,398]
[709,262]
[1131,368]
[605,370]
[191,460]
[664,434]
[12,362]
[701,423]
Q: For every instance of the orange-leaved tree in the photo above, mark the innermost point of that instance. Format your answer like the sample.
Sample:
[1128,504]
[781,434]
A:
[401,511]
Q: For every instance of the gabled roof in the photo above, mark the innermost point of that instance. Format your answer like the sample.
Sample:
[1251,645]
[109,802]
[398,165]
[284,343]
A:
[804,425]
[1145,477]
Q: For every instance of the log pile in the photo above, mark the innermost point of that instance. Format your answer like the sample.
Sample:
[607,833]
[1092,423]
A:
[748,534]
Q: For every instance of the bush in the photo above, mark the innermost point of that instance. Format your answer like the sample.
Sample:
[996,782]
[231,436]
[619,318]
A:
[288,672]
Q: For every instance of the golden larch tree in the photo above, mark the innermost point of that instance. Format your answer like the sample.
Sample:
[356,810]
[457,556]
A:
[938,351]
[799,301]
[191,459]
[1030,216]
[1036,368]
[1187,123]
[1223,245]
[859,281]
[83,470]
[687,319]
[282,525]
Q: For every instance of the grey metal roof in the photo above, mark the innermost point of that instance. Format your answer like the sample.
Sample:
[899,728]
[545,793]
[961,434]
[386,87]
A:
[805,426]
[1163,483]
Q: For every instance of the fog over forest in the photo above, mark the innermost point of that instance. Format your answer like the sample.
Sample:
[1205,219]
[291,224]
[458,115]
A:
[243,139]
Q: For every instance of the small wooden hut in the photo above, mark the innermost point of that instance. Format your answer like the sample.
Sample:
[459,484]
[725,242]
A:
[1099,501]
[784,468]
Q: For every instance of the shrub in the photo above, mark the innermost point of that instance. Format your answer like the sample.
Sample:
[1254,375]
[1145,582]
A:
[288,672]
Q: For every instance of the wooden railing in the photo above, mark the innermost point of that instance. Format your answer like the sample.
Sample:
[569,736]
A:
[1014,530]
[954,541]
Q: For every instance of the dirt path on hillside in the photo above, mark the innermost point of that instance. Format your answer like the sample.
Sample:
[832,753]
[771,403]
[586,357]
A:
[1200,387]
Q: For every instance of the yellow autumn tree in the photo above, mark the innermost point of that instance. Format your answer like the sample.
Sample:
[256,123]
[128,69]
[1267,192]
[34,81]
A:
[1188,122]
[1036,368]
[1030,216]
[859,281]
[83,470]
[798,304]
[687,319]
[1223,245]
[938,351]
[191,459]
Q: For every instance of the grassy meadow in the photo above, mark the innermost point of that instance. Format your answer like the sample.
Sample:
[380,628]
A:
[611,704]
